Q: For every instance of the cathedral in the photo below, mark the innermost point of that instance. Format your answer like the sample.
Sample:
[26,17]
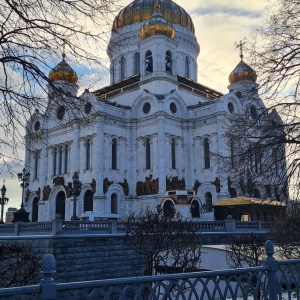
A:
[155,130]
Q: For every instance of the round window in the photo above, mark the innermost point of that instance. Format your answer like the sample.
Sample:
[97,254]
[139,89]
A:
[173,107]
[88,108]
[230,107]
[37,125]
[146,107]
[60,112]
[253,112]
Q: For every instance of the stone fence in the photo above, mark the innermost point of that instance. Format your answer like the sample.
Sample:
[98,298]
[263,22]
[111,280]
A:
[59,227]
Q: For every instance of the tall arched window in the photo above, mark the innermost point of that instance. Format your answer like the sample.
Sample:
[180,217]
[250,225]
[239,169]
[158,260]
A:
[148,154]
[195,209]
[149,62]
[187,67]
[137,63]
[173,153]
[88,154]
[122,67]
[60,157]
[114,204]
[61,204]
[208,201]
[36,165]
[35,210]
[114,154]
[112,71]
[88,201]
[169,62]
[206,154]
[66,159]
[54,160]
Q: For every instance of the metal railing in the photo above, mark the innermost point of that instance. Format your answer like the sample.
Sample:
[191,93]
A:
[274,280]
[59,226]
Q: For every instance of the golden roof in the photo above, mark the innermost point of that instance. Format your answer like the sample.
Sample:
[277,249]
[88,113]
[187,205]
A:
[157,25]
[63,72]
[141,11]
[247,201]
[242,72]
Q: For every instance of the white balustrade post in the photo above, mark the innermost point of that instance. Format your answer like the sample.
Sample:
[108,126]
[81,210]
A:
[48,285]
[272,264]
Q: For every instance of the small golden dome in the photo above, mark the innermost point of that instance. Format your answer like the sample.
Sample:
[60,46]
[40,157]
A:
[157,25]
[242,72]
[63,72]
[141,10]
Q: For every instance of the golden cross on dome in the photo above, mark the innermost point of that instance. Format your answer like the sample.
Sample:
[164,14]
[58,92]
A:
[64,48]
[157,6]
[241,48]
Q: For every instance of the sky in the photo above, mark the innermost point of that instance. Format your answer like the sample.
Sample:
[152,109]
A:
[219,25]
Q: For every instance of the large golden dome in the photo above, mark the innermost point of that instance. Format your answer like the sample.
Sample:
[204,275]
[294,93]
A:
[157,25]
[242,72]
[63,72]
[141,11]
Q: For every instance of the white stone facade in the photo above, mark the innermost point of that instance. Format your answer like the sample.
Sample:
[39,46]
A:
[140,131]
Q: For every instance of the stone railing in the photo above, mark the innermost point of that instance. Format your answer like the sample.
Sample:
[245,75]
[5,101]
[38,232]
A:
[273,280]
[59,226]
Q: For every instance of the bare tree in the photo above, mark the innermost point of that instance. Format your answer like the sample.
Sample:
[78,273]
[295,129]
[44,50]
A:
[19,264]
[245,250]
[165,245]
[31,37]
[275,56]
[285,232]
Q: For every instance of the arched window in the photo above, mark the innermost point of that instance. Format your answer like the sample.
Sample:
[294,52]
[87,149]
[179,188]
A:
[66,159]
[54,160]
[206,154]
[114,204]
[187,67]
[149,62]
[122,67]
[169,62]
[148,154]
[36,165]
[256,193]
[61,204]
[114,154]
[88,201]
[208,201]
[233,193]
[88,154]
[112,71]
[169,209]
[195,209]
[173,153]
[35,210]
[137,63]
[232,153]
[60,156]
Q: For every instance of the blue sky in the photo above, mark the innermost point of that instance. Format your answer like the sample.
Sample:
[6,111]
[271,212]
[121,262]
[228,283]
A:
[219,24]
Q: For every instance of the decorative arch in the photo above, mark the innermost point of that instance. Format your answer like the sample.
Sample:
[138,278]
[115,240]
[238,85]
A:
[53,197]
[206,150]
[148,62]
[195,208]
[202,194]
[168,207]
[168,62]
[114,196]
[137,63]
[60,204]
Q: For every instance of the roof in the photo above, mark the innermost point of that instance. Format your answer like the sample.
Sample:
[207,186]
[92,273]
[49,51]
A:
[247,201]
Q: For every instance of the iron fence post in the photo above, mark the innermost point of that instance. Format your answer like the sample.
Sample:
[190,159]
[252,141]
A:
[272,264]
[48,285]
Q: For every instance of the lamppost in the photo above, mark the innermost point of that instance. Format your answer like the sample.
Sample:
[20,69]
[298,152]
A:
[75,191]
[3,201]
[21,215]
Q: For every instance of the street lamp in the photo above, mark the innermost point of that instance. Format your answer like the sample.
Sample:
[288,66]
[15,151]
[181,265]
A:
[3,201]
[21,215]
[75,191]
